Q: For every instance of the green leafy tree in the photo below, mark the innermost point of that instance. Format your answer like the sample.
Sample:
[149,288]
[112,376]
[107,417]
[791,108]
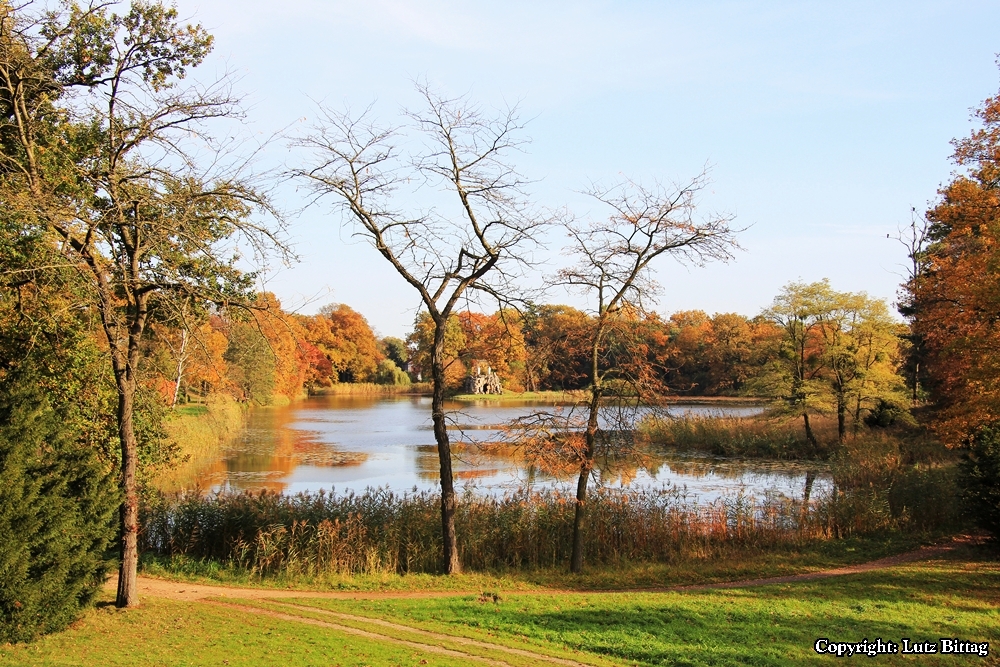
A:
[795,376]
[395,350]
[839,353]
[250,364]
[115,177]
[58,496]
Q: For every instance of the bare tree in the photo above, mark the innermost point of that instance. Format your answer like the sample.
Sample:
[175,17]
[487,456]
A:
[478,247]
[916,239]
[116,164]
[613,267]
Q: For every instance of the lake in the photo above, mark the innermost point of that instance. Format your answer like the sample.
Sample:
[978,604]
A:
[349,443]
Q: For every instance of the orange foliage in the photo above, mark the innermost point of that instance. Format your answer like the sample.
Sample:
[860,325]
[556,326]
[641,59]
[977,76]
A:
[341,346]
[283,334]
[496,340]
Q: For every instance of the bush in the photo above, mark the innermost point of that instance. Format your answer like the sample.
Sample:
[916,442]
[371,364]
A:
[878,488]
[979,478]
[57,510]
[389,373]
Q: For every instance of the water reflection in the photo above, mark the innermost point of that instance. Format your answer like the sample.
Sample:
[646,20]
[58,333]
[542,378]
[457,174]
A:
[354,442]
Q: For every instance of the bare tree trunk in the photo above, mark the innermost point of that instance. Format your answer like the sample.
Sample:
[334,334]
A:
[580,516]
[856,426]
[180,367]
[579,519]
[451,561]
[841,417]
[128,592]
[810,436]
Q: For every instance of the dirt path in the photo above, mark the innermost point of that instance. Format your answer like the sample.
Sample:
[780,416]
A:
[175,590]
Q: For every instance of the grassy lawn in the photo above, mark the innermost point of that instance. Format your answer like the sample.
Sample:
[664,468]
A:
[957,595]
[741,564]
[773,625]
[168,633]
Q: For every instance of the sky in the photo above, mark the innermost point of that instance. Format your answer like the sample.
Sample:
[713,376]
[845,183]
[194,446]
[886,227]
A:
[823,124]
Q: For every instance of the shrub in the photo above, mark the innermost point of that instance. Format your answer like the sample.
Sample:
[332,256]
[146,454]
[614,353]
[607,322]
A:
[979,478]
[57,506]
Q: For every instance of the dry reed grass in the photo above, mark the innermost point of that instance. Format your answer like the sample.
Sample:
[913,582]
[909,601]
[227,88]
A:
[379,531]
[775,438]
[368,388]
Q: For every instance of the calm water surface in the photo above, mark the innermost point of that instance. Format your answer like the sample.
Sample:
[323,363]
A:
[349,443]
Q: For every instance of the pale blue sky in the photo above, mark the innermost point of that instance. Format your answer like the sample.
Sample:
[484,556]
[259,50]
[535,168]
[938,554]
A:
[824,121]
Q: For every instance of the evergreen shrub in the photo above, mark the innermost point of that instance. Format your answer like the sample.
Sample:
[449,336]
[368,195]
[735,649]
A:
[57,511]
[979,478]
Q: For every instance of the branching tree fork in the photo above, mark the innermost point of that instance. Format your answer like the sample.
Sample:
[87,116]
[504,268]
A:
[614,268]
[478,246]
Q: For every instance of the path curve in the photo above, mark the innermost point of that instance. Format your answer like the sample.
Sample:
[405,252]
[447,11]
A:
[178,590]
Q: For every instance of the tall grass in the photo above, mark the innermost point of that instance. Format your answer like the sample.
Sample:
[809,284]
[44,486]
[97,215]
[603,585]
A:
[877,488]
[735,436]
[379,531]
[368,388]
[199,431]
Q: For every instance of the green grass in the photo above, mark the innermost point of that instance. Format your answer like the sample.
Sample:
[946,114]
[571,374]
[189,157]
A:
[812,556]
[194,410]
[953,596]
[773,625]
[163,632]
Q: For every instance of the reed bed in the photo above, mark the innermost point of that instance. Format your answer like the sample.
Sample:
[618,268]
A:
[884,482]
[379,531]
[738,436]
[369,388]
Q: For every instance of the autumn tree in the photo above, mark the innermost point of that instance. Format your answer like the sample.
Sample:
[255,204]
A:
[954,298]
[352,349]
[556,342]
[838,353]
[475,246]
[737,348]
[420,345]
[497,341]
[613,267]
[107,148]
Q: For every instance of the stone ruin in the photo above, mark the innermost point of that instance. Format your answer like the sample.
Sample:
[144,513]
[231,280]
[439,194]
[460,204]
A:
[483,383]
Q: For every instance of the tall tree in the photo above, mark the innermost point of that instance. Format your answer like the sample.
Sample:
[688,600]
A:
[115,174]
[801,311]
[614,268]
[839,352]
[954,298]
[476,247]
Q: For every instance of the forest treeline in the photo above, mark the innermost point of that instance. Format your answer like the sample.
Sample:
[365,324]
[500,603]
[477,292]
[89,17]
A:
[816,348]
